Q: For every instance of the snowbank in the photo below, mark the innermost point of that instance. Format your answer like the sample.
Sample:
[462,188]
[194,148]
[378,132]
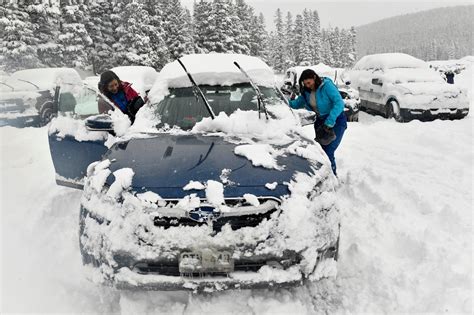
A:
[406,238]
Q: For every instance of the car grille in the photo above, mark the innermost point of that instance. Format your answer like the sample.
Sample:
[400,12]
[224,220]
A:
[12,105]
[171,268]
[235,222]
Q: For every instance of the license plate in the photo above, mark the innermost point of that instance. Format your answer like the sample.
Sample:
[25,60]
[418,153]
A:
[206,261]
[8,105]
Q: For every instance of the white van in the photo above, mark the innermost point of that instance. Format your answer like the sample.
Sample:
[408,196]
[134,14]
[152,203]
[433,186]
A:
[403,87]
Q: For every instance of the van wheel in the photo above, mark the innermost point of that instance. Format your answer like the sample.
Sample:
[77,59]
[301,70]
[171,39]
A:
[393,111]
[46,114]
[355,117]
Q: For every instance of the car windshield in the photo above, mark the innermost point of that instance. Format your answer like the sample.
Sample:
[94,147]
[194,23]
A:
[184,109]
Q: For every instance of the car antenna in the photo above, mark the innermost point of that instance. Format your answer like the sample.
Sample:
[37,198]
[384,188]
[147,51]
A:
[201,94]
[257,91]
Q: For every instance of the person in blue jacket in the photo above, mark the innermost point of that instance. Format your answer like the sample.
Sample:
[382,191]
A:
[321,96]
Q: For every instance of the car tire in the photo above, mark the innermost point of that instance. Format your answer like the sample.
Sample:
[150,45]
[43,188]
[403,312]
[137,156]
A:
[355,117]
[46,114]
[393,111]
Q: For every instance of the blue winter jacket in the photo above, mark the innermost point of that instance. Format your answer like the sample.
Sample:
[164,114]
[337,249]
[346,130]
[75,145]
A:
[329,101]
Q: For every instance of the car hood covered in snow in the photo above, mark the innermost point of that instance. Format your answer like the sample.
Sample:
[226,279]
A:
[166,163]
[433,88]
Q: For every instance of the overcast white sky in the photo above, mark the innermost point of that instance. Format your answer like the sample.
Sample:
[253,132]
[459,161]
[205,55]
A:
[345,13]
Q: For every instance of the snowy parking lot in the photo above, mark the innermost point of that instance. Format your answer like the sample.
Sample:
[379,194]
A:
[406,239]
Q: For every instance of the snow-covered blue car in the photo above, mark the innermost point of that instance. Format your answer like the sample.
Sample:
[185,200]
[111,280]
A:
[214,187]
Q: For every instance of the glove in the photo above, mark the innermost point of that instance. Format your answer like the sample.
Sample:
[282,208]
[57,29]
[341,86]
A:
[325,135]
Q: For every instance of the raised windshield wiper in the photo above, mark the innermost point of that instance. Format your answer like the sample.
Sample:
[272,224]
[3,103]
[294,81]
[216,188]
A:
[261,102]
[29,83]
[11,87]
[199,91]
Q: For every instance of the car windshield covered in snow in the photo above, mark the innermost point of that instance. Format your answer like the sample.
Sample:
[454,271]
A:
[183,108]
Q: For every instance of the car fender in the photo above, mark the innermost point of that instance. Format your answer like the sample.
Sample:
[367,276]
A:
[391,92]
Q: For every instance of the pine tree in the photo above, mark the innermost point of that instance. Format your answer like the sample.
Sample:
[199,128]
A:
[243,20]
[203,26]
[306,47]
[278,57]
[289,48]
[101,31]
[18,41]
[74,37]
[326,52]
[353,44]
[335,45]
[258,38]
[316,37]
[178,37]
[135,45]
[298,39]
[221,33]
[156,33]
[45,20]
[188,18]
[451,50]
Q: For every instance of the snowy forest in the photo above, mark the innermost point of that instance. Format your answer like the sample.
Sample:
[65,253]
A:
[449,37]
[99,34]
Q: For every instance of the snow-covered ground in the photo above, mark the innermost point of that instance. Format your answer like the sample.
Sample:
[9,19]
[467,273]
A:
[406,242]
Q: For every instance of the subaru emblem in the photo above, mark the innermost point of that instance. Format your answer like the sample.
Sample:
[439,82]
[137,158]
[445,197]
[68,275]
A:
[204,214]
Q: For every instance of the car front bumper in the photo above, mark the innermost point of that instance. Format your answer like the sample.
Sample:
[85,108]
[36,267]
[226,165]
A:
[126,279]
[19,120]
[434,113]
[148,270]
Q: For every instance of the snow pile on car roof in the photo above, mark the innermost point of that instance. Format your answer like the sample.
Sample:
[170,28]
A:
[321,69]
[212,69]
[47,78]
[141,77]
[389,61]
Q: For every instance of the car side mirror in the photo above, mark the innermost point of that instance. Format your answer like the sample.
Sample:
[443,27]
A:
[306,117]
[377,82]
[101,122]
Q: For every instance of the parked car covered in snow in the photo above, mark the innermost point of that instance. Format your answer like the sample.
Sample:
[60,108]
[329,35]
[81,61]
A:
[30,97]
[403,87]
[92,81]
[220,190]
[349,95]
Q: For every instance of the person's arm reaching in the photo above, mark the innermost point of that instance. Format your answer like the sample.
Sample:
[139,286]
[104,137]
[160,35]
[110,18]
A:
[297,103]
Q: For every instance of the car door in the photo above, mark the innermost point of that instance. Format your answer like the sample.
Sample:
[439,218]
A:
[376,94]
[72,146]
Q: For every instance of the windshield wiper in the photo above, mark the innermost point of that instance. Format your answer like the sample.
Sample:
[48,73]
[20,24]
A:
[29,83]
[11,87]
[199,91]
[261,102]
